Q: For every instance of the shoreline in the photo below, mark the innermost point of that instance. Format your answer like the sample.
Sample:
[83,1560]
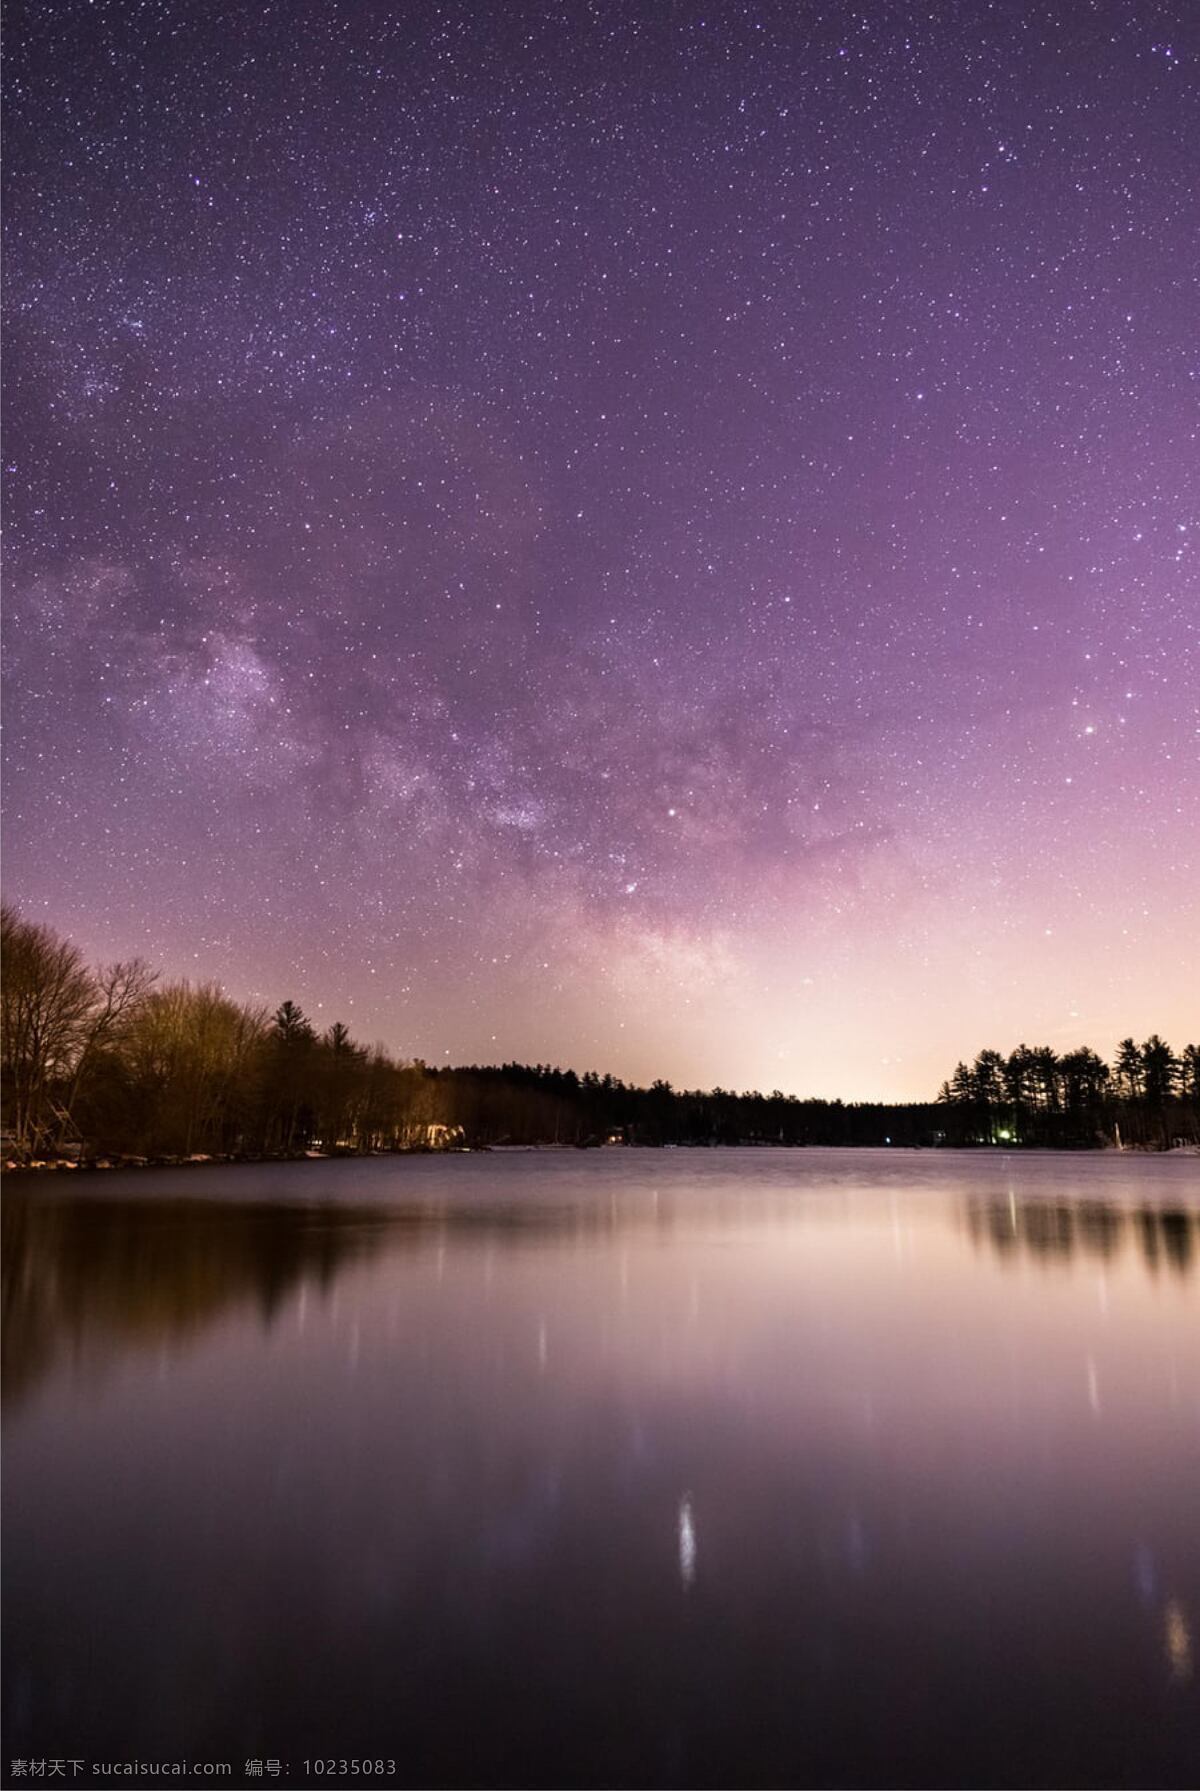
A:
[41,1168]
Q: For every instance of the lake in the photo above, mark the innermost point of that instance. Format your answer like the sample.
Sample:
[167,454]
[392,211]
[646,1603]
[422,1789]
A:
[617,1467]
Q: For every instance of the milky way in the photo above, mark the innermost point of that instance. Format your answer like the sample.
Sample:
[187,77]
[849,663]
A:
[651,536]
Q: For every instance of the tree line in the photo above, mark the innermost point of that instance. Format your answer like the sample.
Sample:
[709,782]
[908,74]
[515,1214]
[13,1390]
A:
[114,1064]
[1148,1096]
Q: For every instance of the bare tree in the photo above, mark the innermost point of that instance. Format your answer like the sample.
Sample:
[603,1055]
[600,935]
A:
[120,991]
[192,1054]
[46,1006]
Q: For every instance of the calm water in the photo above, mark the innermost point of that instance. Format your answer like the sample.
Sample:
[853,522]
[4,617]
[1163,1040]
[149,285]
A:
[628,1468]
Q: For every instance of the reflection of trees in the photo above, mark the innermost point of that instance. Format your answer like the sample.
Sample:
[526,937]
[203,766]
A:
[1169,1237]
[83,1272]
[88,1276]
[1055,1231]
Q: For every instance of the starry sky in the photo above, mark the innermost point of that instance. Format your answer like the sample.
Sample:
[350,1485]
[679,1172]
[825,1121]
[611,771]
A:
[645,535]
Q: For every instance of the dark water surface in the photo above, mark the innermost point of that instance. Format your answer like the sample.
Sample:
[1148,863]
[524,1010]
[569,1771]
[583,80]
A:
[617,1468]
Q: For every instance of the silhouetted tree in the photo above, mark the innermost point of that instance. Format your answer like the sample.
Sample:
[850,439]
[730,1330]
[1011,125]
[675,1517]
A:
[1129,1069]
[58,1019]
[1160,1071]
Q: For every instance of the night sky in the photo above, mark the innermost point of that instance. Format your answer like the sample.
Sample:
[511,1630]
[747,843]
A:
[657,537]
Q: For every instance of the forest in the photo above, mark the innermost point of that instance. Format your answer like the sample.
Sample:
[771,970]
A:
[113,1065]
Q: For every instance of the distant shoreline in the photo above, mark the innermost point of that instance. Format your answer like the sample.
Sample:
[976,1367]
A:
[111,1066]
[66,1167]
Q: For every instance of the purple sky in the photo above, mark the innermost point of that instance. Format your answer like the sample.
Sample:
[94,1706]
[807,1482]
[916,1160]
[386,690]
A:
[656,537]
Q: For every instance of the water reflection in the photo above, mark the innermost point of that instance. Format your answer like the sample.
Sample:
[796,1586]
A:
[89,1278]
[1056,1231]
[436,1450]
[1168,1236]
[85,1277]
[687,1542]
[1177,1640]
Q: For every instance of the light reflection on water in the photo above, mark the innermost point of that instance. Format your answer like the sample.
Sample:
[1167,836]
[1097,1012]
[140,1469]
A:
[417,1457]
[1178,1641]
[687,1543]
